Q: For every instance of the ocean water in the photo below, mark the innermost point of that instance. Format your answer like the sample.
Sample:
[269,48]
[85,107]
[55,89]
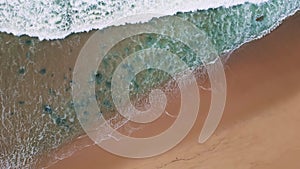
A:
[55,19]
[37,112]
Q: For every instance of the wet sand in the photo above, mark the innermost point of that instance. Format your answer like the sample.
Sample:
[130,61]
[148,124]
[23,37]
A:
[260,125]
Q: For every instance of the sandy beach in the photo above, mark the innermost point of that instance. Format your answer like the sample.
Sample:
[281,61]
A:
[260,122]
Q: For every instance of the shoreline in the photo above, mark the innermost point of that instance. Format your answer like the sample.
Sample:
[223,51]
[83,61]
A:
[257,106]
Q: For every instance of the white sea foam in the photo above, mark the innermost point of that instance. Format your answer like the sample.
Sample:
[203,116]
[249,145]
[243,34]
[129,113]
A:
[55,19]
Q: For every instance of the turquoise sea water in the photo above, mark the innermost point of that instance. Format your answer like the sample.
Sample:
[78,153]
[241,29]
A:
[37,113]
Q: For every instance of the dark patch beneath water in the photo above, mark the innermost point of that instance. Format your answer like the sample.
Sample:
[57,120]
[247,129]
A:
[259,19]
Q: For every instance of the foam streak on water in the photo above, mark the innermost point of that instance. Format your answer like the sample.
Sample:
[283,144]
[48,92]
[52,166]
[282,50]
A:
[55,19]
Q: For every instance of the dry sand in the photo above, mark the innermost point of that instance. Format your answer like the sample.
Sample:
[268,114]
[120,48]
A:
[259,129]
